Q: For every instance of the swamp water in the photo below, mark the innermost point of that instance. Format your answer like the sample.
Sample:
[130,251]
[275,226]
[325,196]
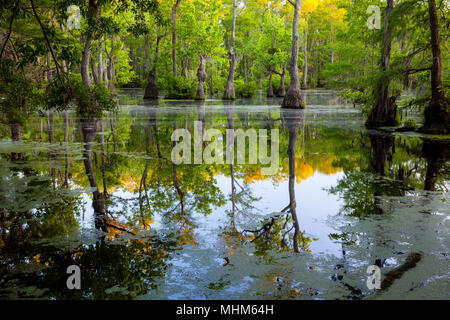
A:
[106,197]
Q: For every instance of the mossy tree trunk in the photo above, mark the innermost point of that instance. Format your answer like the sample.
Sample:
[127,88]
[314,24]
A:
[384,111]
[201,75]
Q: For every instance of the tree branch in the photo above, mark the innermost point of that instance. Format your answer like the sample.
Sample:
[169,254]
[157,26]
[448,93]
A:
[10,27]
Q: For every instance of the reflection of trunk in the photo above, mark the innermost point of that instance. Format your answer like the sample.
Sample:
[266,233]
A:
[270,87]
[381,145]
[16,135]
[66,140]
[142,184]
[51,136]
[281,92]
[201,118]
[293,122]
[151,91]
[384,112]
[105,192]
[95,12]
[175,181]
[89,130]
[201,75]
[397,273]
[293,97]
[155,134]
[436,153]
[229,88]
[229,110]
[437,114]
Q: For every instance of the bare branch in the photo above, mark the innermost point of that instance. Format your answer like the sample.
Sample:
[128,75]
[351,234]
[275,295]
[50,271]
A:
[10,27]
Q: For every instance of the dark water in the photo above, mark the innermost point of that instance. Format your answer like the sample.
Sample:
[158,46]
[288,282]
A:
[105,196]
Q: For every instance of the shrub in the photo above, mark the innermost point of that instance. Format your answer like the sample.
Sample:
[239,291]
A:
[410,124]
[244,89]
[180,88]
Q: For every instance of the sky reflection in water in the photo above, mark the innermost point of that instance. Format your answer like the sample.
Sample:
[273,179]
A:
[359,195]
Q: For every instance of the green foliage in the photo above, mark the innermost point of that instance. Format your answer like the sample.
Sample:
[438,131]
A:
[355,97]
[20,96]
[179,87]
[245,89]
[91,102]
[410,124]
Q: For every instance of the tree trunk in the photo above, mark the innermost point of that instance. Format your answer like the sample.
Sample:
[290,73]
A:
[229,88]
[437,153]
[89,130]
[437,113]
[174,38]
[85,63]
[100,61]
[270,87]
[151,91]
[293,123]
[50,112]
[281,90]
[95,11]
[293,97]
[16,131]
[384,112]
[305,53]
[201,75]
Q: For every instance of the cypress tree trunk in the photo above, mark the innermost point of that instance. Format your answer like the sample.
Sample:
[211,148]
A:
[384,112]
[85,62]
[151,91]
[270,87]
[229,88]
[293,97]
[281,90]
[201,75]
[305,52]
[437,113]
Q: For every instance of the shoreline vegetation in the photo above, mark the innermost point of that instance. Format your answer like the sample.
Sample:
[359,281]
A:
[55,55]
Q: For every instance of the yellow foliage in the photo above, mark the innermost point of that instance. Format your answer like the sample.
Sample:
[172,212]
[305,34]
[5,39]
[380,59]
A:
[308,6]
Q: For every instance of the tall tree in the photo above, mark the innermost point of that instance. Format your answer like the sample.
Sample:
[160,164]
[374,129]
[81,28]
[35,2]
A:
[437,113]
[293,97]
[229,88]
[384,112]
[174,37]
